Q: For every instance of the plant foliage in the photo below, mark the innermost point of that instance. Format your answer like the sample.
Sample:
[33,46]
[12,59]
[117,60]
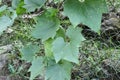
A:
[61,44]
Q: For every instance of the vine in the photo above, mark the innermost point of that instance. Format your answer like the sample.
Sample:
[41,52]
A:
[61,37]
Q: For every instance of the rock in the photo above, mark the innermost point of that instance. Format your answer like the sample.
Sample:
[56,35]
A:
[9,30]
[3,60]
[4,55]
[6,48]
[110,28]
[107,23]
[115,22]
[3,78]
[112,15]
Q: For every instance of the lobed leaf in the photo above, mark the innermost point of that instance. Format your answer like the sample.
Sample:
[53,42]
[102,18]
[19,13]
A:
[68,50]
[58,49]
[75,36]
[88,12]
[15,3]
[46,27]
[31,5]
[5,21]
[28,52]
[36,68]
[59,71]
[48,46]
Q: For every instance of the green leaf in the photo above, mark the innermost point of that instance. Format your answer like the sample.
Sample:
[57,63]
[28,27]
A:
[75,36]
[13,14]
[88,12]
[13,17]
[31,5]
[58,49]
[60,33]
[5,21]
[68,50]
[59,71]
[65,51]
[28,52]
[48,46]
[15,3]
[20,9]
[36,68]
[51,12]
[46,27]
[71,53]
[2,8]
